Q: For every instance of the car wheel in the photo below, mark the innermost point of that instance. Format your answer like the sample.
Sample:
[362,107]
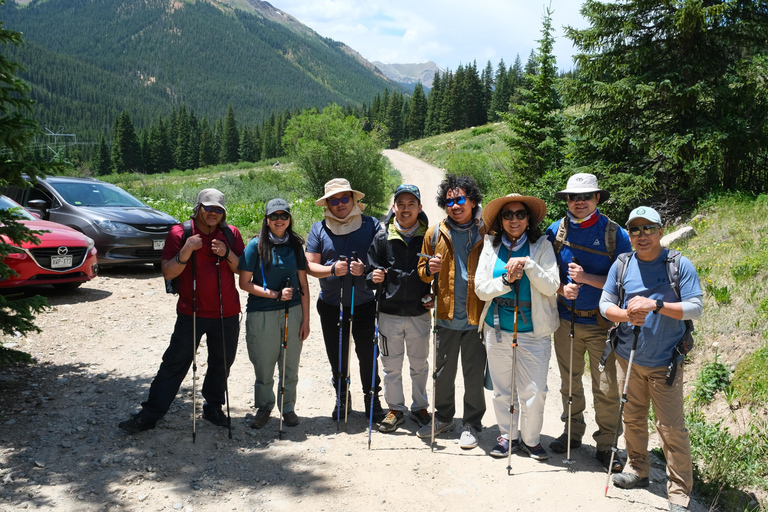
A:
[67,287]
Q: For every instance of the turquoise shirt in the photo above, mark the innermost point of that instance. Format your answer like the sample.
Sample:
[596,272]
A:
[507,313]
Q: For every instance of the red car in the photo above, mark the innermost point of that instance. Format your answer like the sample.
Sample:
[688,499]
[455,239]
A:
[65,258]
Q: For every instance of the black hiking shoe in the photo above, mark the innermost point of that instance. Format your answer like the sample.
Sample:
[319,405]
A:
[216,416]
[629,481]
[137,423]
[560,445]
[338,412]
[291,419]
[605,458]
[378,412]
[261,418]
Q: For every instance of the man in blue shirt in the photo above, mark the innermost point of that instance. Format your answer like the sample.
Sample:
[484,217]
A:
[649,301]
[586,243]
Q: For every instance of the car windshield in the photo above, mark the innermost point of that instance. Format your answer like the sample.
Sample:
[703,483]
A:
[95,194]
[21,213]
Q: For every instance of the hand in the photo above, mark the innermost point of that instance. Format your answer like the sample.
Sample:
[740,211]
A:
[304,330]
[576,273]
[341,267]
[435,264]
[219,248]
[194,242]
[356,268]
[286,294]
[636,318]
[571,291]
[514,268]
[378,275]
[638,304]
[430,303]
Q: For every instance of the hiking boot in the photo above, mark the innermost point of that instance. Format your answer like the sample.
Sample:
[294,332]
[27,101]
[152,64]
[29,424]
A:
[605,458]
[261,418]
[137,423]
[290,418]
[390,423]
[468,439]
[216,416]
[378,412]
[536,452]
[674,507]
[338,411]
[502,449]
[425,432]
[421,417]
[560,445]
[629,481]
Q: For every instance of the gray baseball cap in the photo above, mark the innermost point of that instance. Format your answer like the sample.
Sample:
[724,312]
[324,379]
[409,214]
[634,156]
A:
[276,205]
[211,197]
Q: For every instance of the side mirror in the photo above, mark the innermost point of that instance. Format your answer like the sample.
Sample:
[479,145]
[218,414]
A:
[37,205]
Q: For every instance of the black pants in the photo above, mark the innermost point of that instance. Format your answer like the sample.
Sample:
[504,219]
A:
[362,333]
[178,358]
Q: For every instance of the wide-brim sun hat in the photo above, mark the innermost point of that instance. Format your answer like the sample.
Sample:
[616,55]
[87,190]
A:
[335,186]
[583,183]
[537,209]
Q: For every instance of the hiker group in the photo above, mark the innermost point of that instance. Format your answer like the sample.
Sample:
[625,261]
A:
[502,291]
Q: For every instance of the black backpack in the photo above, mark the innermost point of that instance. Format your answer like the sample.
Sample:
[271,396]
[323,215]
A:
[685,344]
[172,286]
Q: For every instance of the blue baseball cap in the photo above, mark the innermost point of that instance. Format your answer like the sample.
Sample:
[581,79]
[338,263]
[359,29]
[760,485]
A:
[645,212]
[411,189]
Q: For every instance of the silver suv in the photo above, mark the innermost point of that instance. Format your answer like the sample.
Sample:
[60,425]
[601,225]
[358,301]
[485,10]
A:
[124,229]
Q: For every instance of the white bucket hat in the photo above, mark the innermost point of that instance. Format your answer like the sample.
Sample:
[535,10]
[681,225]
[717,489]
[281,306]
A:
[583,183]
[335,186]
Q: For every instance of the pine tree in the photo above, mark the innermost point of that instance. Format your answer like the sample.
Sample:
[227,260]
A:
[417,115]
[449,100]
[487,79]
[126,150]
[230,139]
[500,99]
[394,121]
[207,144]
[434,106]
[103,160]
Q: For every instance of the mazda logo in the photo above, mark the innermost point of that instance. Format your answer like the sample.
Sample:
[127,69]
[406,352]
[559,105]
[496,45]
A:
[63,250]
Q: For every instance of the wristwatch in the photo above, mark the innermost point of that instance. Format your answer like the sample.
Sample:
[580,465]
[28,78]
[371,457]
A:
[659,305]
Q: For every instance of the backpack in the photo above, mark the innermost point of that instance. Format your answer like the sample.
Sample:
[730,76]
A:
[172,286]
[610,239]
[685,345]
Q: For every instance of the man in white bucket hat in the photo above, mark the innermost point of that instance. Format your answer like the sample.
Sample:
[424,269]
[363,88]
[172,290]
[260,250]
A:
[586,244]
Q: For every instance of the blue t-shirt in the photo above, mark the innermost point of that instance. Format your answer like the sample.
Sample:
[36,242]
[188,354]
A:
[594,238]
[659,335]
[329,246]
[284,265]
[507,313]
[462,241]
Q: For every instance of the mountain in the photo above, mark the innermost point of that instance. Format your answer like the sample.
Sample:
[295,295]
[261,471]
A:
[88,60]
[410,74]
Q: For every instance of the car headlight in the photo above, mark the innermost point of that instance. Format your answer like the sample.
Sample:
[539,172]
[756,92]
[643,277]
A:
[115,228]
[91,244]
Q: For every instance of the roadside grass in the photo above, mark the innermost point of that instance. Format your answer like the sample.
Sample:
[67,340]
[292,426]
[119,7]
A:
[483,140]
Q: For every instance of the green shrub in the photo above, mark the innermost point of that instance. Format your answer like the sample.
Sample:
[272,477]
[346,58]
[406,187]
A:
[750,378]
[721,294]
[713,377]
[481,130]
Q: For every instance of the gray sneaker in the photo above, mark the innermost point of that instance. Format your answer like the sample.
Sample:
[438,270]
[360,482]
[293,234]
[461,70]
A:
[425,432]
[391,421]
[468,438]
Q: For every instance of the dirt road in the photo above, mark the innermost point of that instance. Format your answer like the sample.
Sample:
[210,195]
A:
[60,448]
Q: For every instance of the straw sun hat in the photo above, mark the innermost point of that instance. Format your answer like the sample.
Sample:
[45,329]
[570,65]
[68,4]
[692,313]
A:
[335,186]
[536,208]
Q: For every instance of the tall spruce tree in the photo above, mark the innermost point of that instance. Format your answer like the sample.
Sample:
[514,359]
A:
[230,139]
[394,121]
[207,144]
[417,115]
[126,150]
[501,93]
[434,106]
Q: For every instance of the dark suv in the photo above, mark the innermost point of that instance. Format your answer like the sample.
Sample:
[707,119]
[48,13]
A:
[124,229]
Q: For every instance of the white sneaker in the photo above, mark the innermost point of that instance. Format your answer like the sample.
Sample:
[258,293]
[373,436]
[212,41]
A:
[425,432]
[468,438]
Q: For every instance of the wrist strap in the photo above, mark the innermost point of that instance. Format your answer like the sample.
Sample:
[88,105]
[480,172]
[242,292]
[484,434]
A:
[178,259]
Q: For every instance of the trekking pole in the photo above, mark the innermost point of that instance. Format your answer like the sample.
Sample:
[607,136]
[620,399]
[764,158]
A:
[434,357]
[375,359]
[516,286]
[614,448]
[568,459]
[224,348]
[194,345]
[341,345]
[286,284]
[349,340]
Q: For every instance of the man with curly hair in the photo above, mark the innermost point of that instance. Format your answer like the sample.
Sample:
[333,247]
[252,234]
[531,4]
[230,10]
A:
[454,253]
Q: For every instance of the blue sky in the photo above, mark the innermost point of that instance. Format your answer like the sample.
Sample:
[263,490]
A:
[447,32]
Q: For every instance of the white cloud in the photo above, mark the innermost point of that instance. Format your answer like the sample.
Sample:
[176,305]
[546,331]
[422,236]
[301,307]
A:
[448,32]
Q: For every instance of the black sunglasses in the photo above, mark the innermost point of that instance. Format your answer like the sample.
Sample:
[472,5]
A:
[342,200]
[647,229]
[281,216]
[581,197]
[214,209]
[455,200]
[511,214]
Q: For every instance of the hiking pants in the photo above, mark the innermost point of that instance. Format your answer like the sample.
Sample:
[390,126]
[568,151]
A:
[450,343]
[398,335]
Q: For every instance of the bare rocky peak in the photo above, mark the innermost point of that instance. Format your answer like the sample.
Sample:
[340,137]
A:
[411,73]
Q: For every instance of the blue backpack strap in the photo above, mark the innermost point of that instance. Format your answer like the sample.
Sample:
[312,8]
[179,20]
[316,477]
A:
[622,262]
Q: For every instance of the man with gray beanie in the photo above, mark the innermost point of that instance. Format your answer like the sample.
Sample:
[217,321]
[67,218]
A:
[200,253]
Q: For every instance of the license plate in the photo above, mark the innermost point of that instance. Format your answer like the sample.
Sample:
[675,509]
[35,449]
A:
[158,244]
[61,261]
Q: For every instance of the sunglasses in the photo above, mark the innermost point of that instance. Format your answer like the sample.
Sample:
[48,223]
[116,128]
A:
[455,200]
[342,200]
[581,197]
[214,209]
[648,230]
[281,216]
[511,214]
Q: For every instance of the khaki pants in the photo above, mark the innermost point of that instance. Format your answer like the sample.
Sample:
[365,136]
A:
[648,385]
[588,338]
